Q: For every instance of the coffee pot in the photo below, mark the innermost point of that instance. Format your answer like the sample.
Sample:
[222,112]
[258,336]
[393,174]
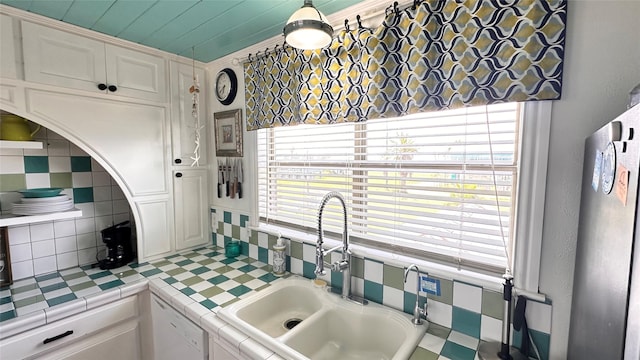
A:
[16,128]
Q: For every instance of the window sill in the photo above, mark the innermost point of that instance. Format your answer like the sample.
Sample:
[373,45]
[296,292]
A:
[435,269]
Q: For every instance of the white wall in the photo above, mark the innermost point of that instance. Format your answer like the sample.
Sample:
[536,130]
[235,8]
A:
[602,64]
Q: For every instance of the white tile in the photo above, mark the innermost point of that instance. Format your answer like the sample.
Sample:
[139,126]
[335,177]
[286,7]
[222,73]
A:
[86,241]
[42,231]
[22,324]
[101,193]
[439,313]
[181,301]
[103,208]
[35,181]
[10,152]
[134,287]
[19,235]
[253,251]
[36,152]
[296,266]
[87,210]
[22,269]
[393,297]
[66,244]
[308,253]
[232,336]
[118,218]
[64,228]
[254,350]
[58,147]
[103,298]
[357,286]
[490,329]
[539,316]
[263,240]
[373,271]
[432,343]
[81,179]
[43,248]
[122,206]
[463,339]
[65,310]
[468,297]
[11,165]
[95,166]
[103,222]
[195,311]
[101,178]
[59,164]
[67,260]
[74,150]
[116,193]
[44,265]
[85,225]
[20,252]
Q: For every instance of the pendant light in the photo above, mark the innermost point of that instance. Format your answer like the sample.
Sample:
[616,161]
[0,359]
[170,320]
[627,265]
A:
[308,28]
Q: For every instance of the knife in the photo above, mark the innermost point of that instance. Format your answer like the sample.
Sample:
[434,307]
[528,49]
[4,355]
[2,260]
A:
[227,169]
[233,178]
[240,178]
[220,179]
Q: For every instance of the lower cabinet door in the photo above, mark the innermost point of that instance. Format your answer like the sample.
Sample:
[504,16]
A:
[119,342]
[217,351]
[191,208]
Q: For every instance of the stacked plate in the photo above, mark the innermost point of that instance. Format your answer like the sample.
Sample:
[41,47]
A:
[42,205]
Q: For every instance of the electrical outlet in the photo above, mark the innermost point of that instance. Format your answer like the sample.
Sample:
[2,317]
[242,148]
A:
[430,285]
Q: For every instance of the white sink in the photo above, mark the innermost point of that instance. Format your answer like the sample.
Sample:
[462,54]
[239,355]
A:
[330,327]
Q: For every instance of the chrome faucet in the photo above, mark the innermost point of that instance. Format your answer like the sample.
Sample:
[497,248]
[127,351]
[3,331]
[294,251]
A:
[344,264]
[417,311]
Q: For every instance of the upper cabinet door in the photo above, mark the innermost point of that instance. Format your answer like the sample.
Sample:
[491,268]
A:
[59,58]
[8,68]
[135,74]
[183,123]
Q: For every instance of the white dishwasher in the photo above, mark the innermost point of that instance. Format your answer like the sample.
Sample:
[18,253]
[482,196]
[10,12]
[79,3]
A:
[175,336]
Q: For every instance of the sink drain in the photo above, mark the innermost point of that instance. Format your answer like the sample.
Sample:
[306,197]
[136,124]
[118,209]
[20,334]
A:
[291,323]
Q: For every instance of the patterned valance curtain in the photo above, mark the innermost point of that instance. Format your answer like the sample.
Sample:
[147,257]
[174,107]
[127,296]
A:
[440,54]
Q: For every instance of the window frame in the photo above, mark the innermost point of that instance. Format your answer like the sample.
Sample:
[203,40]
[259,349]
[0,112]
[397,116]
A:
[528,221]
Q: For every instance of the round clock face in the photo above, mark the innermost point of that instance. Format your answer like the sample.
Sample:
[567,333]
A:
[608,168]
[226,86]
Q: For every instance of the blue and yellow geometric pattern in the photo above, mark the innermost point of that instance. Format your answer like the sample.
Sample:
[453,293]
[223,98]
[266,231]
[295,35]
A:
[437,55]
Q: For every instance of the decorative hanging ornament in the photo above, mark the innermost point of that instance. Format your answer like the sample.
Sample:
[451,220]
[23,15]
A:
[194,90]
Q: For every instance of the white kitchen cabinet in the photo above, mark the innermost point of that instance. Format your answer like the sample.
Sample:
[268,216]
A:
[182,122]
[81,334]
[191,208]
[156,228]
[9,54]
[60,58]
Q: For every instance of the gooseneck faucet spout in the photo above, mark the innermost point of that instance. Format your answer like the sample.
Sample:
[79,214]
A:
[344,264]
[417,311]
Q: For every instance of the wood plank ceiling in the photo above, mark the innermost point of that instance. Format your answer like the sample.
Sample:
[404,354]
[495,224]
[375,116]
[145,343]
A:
[214,28]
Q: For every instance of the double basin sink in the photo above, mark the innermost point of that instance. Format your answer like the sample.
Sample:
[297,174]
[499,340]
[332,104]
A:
[299,320]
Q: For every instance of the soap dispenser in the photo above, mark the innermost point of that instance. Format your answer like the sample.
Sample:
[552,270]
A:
[279,263]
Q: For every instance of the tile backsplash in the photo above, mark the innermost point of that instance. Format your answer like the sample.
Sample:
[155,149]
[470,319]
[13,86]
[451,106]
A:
[41,248]
[465,308]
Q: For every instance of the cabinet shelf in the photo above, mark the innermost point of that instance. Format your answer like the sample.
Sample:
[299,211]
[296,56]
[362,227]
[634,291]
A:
[8,144]
[10,220]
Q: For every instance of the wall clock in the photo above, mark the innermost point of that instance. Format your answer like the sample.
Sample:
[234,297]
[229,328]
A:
[226,86]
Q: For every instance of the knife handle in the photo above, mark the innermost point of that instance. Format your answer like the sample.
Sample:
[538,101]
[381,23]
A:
[219,191]
[228,188]
[239,190]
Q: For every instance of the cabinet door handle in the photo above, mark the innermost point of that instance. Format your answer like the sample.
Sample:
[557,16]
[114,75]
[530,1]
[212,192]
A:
[179,175]
[113,88]
[57,337]
[178,161]
[102,86]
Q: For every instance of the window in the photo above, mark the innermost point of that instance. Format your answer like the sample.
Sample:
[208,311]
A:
[440,185]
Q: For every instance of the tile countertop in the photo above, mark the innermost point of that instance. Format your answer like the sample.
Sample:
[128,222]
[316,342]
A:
[197,283]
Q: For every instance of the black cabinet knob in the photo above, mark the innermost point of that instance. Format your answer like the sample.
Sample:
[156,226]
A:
[178,161]
[113,88]
[102,86]
[179,175]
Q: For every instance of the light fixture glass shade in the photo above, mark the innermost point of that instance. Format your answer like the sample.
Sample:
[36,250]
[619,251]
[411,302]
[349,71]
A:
[308,28]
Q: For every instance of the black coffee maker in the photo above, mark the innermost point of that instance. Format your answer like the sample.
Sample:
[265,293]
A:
[117,238]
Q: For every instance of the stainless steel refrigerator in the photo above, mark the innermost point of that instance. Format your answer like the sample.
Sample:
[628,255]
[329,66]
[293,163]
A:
[605,310]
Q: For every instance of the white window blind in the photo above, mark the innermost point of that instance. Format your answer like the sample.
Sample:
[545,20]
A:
[422,184]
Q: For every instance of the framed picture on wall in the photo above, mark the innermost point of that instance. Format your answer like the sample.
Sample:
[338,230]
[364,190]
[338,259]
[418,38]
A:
[5,260]
[228,132]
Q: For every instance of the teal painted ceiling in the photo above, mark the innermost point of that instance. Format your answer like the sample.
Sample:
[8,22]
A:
[214,28]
